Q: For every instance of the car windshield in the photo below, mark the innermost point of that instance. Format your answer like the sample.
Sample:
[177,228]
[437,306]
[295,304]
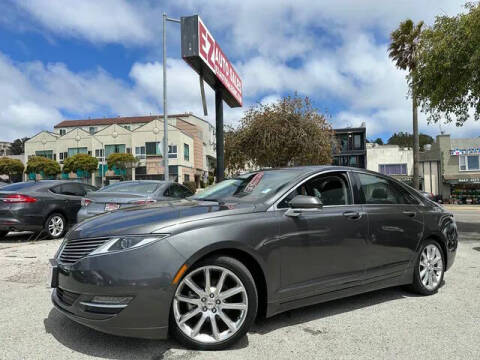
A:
[250,187]
[131,187]
[19,186]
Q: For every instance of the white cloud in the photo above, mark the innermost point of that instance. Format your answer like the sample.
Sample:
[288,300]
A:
[97,21]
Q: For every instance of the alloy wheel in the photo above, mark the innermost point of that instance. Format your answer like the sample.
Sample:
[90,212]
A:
[431,267]
[55,225]
[210,304]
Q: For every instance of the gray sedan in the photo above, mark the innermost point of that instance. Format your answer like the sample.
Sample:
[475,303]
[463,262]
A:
[130,193]
[203,268]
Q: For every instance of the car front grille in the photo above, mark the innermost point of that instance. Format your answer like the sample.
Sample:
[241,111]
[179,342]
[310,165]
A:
[75,250]
[66,297]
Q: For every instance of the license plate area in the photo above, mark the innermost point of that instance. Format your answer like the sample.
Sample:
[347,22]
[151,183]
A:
[53,273]
[111,206]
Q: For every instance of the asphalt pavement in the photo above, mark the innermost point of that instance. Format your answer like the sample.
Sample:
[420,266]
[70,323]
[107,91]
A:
[391,323]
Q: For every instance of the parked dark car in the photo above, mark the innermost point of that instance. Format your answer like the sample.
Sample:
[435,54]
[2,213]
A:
[130,193]
[49,205]
[262,243]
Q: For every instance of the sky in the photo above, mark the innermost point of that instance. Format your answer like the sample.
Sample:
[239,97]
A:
[73,59]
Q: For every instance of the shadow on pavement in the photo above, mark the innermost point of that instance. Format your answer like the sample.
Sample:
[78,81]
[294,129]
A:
[331,308]
[87,341]
[24,236]
[90,342]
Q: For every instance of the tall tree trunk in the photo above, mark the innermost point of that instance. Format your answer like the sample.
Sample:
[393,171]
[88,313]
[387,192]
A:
[416,143]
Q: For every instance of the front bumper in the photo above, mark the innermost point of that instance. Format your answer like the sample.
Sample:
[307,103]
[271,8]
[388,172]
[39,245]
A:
[144,274]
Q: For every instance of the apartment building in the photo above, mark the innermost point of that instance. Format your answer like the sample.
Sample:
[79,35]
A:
[191,145]
[351,147]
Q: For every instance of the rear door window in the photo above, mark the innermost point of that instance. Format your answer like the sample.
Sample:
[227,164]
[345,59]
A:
[177,191]
[381,191]
[70,189]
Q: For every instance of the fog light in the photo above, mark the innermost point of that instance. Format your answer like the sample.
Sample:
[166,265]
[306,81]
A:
[112,300]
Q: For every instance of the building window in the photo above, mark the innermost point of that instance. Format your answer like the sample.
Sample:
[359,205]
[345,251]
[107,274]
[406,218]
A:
[112,149]
[63,132]
[172,151]
[92,130]
[469,162]
[129,150]
[45,153]
[99,153]
[186,152]
[393,169]
[127,127]
[140,152]
[153,148]
[75,151]
[186,177]
[357,142]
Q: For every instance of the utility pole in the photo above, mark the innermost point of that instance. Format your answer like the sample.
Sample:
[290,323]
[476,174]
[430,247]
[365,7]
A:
[219,134]
[165,114]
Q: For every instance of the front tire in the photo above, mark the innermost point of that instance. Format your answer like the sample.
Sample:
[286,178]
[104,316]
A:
[214,304]
[55,226]
[429,269]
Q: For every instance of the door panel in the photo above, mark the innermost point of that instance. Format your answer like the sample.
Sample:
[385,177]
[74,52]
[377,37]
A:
[322,250]
[395,225]
[393,238]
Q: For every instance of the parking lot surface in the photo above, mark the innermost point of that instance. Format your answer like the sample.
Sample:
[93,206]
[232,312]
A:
[391,323]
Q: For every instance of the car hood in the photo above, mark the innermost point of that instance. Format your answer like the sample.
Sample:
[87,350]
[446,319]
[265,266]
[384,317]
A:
[153,217]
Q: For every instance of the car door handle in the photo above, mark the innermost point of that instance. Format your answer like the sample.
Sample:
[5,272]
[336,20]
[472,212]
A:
[353,215]
[410,213]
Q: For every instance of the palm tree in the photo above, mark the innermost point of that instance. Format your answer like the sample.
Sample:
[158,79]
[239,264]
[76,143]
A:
[403,50]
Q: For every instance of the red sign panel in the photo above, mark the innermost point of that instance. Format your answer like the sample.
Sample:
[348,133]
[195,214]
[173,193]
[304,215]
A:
[211,53]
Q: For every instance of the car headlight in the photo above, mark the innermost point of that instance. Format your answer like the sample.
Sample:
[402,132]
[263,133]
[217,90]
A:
[127,242]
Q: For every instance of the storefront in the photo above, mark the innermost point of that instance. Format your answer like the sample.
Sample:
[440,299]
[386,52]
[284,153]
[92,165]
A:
[465,190]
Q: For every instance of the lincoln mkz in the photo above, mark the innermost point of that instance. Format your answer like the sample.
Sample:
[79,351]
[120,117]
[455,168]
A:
[203,268]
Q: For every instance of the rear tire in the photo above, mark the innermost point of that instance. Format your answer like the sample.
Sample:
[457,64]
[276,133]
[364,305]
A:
[429,268]
[225,318]
[55,226]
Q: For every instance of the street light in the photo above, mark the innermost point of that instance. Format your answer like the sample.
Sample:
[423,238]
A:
[165,116]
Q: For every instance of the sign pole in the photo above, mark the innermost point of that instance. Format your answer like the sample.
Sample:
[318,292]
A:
[165,121]
[219,134]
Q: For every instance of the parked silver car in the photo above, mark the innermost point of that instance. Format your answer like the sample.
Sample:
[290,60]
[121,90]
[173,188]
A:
[130,193]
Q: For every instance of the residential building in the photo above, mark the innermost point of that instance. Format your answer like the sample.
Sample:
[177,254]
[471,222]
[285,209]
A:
[190,141]
[391,160]
[351,147]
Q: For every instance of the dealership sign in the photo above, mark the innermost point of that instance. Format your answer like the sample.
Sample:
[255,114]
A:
[204,55]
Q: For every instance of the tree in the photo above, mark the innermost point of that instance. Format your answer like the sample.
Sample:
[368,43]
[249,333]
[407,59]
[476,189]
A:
[80,163]
[378,141]
[121,161]
[403,139]
[43,166]
[286,133]
[403,50]
[11,167]
[17,147]
[447,78]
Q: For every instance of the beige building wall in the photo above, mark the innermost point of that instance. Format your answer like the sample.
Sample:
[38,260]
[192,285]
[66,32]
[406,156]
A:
[118,135]
[389,154]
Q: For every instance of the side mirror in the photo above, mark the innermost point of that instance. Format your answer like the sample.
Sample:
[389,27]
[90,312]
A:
[302,203]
